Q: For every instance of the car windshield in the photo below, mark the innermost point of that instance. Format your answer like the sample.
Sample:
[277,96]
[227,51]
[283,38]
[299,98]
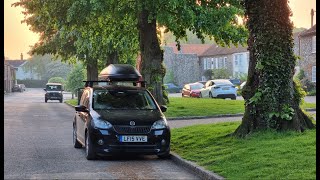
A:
[196,86]
[53,88]
[223,82]
[123,99]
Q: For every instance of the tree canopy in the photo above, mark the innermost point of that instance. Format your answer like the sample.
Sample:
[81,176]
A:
[96,30]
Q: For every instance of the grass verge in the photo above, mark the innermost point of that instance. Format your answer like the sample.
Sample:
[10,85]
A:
[202,107]
[263,155]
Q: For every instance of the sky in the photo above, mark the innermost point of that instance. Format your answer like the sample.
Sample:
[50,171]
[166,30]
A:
[18,38]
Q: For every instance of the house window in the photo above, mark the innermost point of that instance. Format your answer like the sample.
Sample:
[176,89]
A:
[217,65]
[314,42]
[313,74]
[209,63]
[225,62]
[212,63]
[205,64]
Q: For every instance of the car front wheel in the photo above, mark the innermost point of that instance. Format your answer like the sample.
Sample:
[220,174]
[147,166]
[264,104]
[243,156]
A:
[90,155]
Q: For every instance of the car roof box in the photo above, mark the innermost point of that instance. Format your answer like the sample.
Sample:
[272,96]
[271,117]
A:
[120,72]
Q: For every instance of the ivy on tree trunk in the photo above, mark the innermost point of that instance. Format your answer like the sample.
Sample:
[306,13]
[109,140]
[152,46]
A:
[272,97]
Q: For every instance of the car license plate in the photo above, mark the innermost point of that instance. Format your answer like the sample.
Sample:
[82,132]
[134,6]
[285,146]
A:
[133,138]
[225,88]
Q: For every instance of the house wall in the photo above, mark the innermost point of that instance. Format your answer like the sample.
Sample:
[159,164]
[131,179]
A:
[184,67]
[9,73]
[308,58]
[22,75]
[214,62]
[240,65]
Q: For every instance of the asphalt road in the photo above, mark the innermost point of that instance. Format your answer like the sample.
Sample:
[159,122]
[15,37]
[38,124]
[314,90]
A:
[38,145]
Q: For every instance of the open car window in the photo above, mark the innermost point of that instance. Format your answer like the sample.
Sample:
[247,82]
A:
[122,99]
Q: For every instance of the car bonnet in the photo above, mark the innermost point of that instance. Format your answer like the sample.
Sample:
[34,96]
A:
[123,117]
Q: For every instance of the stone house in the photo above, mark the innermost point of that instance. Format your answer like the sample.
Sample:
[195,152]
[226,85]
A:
[9,76]
[234,59]
[306,46]
[183,65]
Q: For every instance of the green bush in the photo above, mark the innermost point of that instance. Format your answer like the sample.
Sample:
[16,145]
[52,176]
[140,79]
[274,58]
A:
[56,80]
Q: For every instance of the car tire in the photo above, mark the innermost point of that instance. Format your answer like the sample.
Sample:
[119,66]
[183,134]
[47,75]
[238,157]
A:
[234,98]
[166,155]
[90,155]
[76,143]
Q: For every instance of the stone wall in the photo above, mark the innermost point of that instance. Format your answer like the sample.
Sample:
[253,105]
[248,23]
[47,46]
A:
[308,59]
[184,67]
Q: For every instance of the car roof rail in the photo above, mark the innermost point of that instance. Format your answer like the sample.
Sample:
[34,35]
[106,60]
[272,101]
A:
[134,83]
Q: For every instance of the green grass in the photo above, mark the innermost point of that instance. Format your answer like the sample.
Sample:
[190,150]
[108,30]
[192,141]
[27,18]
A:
[202,107]
[263,155]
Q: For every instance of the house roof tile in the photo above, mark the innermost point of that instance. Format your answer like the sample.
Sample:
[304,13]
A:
[218,50]
[189,48]
[15,63]
[309,32]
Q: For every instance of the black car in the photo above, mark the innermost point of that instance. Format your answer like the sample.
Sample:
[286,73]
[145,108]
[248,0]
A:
[120,117]
[17,88]
[172,88]
[54,91]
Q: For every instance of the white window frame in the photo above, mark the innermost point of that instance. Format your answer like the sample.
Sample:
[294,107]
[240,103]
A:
[314,44]
[217,64]
[313,74]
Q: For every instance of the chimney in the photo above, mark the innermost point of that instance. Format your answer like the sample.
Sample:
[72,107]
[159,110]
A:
[21,55]
[312,14]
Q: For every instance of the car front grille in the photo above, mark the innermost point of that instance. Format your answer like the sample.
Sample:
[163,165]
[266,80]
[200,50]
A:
[54,94]
[132,129]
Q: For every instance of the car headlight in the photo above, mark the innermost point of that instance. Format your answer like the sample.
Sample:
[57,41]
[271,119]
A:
[101,124]
[160,124]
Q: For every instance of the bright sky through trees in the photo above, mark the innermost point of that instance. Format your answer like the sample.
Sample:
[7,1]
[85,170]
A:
[18,38]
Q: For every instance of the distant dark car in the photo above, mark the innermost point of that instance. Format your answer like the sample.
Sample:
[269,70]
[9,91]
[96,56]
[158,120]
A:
[192,90]
[172,88]
[235,82]
[17,88]
[53,92]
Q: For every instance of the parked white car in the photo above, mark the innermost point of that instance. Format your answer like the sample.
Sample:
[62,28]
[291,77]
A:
[219,88]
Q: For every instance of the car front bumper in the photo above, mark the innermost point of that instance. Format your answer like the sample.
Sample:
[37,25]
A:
[158,143]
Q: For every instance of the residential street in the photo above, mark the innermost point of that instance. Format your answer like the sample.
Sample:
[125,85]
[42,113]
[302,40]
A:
[38,145]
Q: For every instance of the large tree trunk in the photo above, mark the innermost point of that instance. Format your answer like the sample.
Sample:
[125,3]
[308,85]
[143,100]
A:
[113,58]
[92,69]
[152,69]
[271,96]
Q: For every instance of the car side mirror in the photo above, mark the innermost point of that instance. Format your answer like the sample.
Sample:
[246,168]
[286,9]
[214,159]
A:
[163,108]
[81,108]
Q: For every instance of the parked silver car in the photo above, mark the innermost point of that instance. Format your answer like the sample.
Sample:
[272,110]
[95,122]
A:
[219,88]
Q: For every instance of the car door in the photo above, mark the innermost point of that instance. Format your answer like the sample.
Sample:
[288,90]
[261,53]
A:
[205,91]
[81,117]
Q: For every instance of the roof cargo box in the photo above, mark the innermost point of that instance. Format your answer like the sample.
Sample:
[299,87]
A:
[120,72]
